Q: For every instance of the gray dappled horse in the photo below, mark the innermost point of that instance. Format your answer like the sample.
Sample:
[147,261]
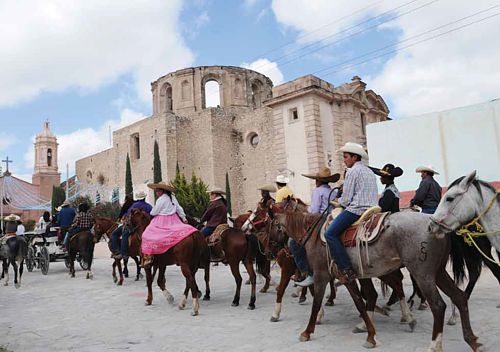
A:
[405,241]
[13,251]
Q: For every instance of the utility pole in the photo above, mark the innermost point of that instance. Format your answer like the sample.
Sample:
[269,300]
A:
[67,180]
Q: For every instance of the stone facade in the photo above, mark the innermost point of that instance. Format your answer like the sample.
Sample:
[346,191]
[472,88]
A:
[256,132]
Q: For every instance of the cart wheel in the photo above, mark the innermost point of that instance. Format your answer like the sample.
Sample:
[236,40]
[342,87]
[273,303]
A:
[44,260]
[30,260]
[66,262]
[83,264]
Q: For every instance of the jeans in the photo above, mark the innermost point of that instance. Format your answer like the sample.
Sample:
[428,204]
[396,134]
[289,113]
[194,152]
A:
[299,255]
[115,239]
[207,231]
[332,236]
[124,247]
[429,210]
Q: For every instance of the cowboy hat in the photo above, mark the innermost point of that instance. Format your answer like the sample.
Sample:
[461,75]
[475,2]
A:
[282,179]
[269,188]
[65,203]
[59,208]
[388,170]
[12,217]
[354,148]
[324,174]
[216,190]
[428,168]
[140,195]
[161,185]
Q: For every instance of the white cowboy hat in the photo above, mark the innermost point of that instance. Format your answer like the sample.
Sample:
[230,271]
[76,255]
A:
[161,185]
[216,190]
[282,179]
[428,168]
[65,203]
[354,148]
[324,174]
[140,195]
[269,188]
[12,217]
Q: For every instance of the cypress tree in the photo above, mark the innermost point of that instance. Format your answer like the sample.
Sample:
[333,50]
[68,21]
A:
[228,196]
[156,164]
[129,190]
[58,197]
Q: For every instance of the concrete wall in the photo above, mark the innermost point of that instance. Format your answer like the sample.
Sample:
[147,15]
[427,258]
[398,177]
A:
[454,141]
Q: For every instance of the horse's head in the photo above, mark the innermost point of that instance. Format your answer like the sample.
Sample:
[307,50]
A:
[459,205]
[103,226]
[277,229]
[138,218]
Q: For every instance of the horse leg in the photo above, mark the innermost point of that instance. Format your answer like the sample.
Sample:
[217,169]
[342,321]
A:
[253,279]
[418,291]
[89,258]
[266,272]
[459,298]
[302,295]
[395,281]
[333,294]
[188,274]
[206,269]
[320,282]
[287,270]
[138,266]
[162,284]
[6,270]
[72,256]
[370,294]
[149,282]
[21,269]
[120,272]
[125,268]
[115,279]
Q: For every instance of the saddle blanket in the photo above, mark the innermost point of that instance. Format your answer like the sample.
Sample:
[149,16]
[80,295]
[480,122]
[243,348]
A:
[217,234]
[163,233]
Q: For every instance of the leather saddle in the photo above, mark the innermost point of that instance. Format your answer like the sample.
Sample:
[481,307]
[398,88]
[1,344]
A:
[215,237]
[368,227]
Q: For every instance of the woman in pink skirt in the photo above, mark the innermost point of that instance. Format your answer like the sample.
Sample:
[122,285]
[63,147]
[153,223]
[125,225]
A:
[168,226]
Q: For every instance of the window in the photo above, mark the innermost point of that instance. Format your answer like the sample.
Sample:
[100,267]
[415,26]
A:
[166,98]
[293,115]
[185,90]
[256,94]
[212,94]
[253,139]
[238,88]
[363,123]
[49,157]
[136,146]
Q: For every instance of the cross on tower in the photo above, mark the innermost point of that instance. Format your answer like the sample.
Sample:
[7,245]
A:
[7,161]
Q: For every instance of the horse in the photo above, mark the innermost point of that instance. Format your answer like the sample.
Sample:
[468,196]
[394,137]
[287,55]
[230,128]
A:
[404,241]
[190,254]
[13,251]
[83,243]
[104,227]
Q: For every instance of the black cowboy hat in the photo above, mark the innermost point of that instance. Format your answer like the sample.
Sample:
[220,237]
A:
[388,170]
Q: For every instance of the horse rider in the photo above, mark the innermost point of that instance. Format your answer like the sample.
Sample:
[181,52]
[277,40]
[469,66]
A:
[359,194]
[127,203]
[11,224]
[321,197]
[283,190]
[43,221]
[428,194]
[168,219]
[389,199]
[83,221]
[216,213]
[120,250]
[65,219]
[266,200]
[52,228]
[20,228]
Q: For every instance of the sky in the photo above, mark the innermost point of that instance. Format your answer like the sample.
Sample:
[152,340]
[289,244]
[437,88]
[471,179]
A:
[86,66]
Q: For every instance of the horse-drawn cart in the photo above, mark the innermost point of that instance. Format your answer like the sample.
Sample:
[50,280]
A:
[43,249]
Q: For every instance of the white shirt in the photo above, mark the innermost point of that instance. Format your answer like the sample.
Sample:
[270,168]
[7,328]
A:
[41,224]
[166,206]
[20,230]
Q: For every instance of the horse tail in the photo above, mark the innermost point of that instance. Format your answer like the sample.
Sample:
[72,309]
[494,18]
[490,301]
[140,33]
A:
[457,257]
[23,248]
[384,287]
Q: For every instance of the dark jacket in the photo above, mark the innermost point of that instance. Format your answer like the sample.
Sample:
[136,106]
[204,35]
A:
[389,201]
[428,193]
[66,216]
[140,204]
[215,214]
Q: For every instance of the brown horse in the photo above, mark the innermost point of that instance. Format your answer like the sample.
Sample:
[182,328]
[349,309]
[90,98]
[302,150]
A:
[83,243]
[190,254]
[104,227]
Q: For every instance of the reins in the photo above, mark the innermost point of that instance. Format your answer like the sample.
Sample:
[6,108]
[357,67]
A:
[321,218]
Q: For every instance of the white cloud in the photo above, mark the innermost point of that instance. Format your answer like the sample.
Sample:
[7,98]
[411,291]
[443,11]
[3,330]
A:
[250,3]
[266,67]
[456,69]
[86,141]
[6,141]
[54,44]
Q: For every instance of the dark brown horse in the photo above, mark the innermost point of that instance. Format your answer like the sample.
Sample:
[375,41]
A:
[104,227]
[190,254]
[83,243]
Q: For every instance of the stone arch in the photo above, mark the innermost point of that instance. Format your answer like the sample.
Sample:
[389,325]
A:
[210,78]
[238,88]
[49,157]
[166,101]
[256,93]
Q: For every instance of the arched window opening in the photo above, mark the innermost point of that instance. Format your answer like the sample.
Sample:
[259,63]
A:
[185,90]
[363,124]
[256,95]
[212,94]
[166,101]
[49,157]
[238,88]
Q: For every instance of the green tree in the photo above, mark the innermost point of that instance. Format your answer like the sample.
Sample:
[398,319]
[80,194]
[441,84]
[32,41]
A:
[129,190]
[192,195]
[106,209]
[58,197]
[228,195]
[156,164]
[75,202]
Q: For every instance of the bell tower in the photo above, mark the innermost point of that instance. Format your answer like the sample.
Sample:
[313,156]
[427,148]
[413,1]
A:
[45,172]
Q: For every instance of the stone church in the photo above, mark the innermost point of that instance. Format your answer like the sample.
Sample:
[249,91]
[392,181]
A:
[255,133]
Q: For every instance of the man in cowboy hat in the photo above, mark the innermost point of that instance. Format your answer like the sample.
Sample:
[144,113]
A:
[120,249]
[64,220]
[283,190]
[216,212]
[11,223]
[389,200]
[83,221]
[359,193]
[265,191]
[428,194]
[320,201]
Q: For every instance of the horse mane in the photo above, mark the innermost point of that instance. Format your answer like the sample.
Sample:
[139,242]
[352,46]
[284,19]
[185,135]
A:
[477,184]
[297,222]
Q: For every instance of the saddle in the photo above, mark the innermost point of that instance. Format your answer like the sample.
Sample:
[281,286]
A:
[367,228]
[6,237]
[215,237]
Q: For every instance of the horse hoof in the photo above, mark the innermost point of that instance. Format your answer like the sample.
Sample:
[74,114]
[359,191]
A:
[181,307]
[119,283]
[294,295]
[386,308]
[329,304]
[302,300]
[247,282]
[251,307]
[170,299]
[385,311]
[451,322]
[368,344]
[136,278]
[304,337]
[206,298]
[17,285]
[412,325]
[147,303]
[263,290]
[115,280]
[423,306]
[274,319]
[358,330]
[194,314]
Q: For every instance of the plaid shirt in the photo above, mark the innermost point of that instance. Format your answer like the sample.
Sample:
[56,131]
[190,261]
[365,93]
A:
[83,220]
[360,189]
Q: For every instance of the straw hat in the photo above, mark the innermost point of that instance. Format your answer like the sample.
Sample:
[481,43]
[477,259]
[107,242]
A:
[269,188]
[65,203]
[428,168]
[324,174]
[161,185]
[282,179]
[140,195]
[216,190]
[12,217]
[354,148]
[388,170]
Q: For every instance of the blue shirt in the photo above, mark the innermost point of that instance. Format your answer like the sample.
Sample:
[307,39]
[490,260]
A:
[140,204]
[360,189]
[66,216]
[320,199]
